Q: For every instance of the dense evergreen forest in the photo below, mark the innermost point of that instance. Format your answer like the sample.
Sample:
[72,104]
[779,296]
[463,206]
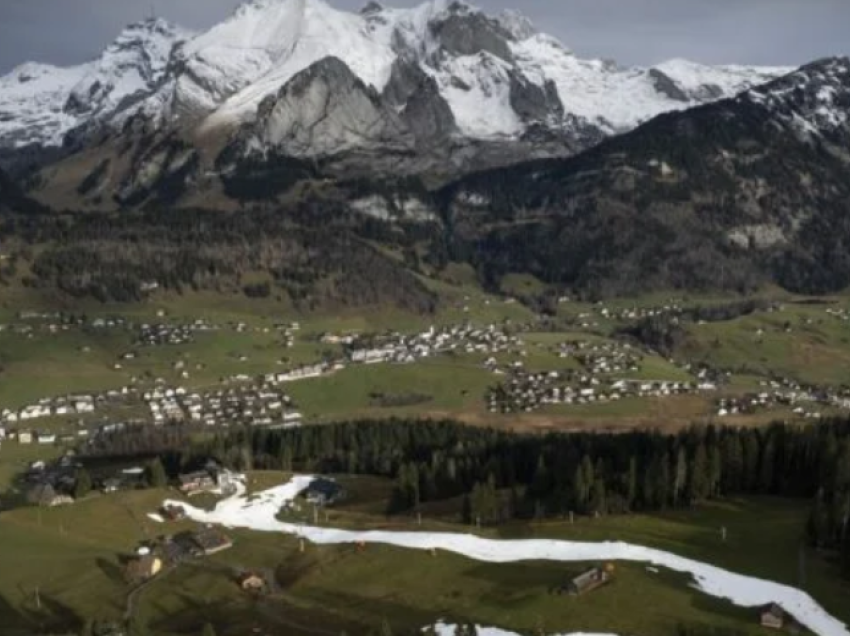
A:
[497,475]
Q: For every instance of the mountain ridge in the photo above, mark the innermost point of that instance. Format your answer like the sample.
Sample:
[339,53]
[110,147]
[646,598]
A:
[477,63]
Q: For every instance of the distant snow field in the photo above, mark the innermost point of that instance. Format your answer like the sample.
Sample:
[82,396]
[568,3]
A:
[259,512]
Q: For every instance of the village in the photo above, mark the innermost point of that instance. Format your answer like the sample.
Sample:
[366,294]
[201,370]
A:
[594,371]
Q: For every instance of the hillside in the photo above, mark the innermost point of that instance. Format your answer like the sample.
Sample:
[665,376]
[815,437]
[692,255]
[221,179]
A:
[732,195]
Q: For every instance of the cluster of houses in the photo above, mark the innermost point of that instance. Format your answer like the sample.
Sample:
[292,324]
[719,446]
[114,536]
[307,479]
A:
[527,392]
[166,333]
[671,308]
[804,400]
[841,314]
[48,407]
[251,404]
[159,334]
[463,338]
[397,348]
[602,358]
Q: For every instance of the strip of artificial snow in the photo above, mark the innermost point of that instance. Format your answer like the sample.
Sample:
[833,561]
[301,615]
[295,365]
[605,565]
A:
[258,512]
[444,629]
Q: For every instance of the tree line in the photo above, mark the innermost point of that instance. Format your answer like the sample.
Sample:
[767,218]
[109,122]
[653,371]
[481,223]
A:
[499,475]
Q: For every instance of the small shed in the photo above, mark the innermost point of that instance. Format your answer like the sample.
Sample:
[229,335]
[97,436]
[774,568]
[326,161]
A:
[773,616]
[589,580]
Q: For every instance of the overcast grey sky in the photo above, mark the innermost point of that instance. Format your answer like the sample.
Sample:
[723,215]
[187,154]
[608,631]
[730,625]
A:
[779,32]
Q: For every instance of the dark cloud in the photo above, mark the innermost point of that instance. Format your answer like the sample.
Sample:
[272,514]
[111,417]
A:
[780,32]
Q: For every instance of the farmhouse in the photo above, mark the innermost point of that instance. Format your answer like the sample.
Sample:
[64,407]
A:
[211,541]
[196,483]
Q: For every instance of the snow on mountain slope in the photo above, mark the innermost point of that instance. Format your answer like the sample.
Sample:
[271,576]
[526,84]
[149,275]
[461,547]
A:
[128,69]
[40,103]
[815,99]
[498,76]
[235,65]
[32,104]
[619,99]
[467,52]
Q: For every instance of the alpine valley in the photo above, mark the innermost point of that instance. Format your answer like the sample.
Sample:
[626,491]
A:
[444,132]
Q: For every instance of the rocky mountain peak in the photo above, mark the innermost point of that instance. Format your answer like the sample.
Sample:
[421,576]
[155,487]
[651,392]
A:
[518,26]
[815,99]
[324,110]
[128,69]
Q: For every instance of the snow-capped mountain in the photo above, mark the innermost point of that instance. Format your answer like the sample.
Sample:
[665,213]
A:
[479,64]
[40,104]
[497,74]
[814,100]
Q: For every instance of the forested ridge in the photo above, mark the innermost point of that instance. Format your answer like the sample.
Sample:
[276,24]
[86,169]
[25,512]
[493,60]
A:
[499,475]
[317,256]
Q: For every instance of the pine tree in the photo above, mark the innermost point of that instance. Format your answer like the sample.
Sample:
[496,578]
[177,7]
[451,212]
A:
[817,526]
[750,475]
[766,467]
[699,482]
[579,490]
[82,483]
[466,510]
[632,485]
[588,476]
[598,501]
[680,477]
[286,458]
[715,460]
[156,474]
[733,464]
[664,482]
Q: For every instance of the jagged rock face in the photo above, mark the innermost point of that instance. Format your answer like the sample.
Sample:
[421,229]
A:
[464,32]
[814,101]
[517,26]
[406,77]
[428,115]
[534,103]
[129,69]
[422,107]
[326,110]
[666,86]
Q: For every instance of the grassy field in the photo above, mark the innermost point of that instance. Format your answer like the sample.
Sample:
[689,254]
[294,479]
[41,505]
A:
[453,387]
[801,342]
[73,559]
